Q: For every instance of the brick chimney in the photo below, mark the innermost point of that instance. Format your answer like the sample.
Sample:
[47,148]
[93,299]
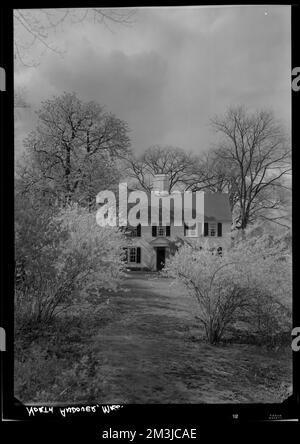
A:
[160,184]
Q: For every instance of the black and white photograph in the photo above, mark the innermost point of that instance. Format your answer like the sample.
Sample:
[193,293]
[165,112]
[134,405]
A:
[152,205]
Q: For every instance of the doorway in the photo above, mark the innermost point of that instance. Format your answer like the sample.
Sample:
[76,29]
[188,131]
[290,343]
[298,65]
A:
[160,257]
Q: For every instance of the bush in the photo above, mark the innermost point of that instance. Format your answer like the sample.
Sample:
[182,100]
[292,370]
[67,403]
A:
[43,377]
[268,320]
[267,259]
[38,243]
[58,362]
[62,257]
[250,282]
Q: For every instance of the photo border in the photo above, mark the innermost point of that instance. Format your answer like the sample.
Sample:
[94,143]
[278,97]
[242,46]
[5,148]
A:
[157,415]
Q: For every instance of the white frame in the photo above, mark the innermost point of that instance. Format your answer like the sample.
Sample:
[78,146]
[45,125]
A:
[163,231]
[191,232]
[135,255]
[212,226]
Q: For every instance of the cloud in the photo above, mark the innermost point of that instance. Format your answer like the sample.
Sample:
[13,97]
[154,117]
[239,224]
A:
[131,86]
[173,70]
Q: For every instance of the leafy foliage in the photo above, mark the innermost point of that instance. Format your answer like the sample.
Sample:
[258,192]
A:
[57,362]
[62,257]
[250,282]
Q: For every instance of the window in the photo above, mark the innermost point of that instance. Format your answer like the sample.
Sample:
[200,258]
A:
[190,231]
[212,229]
[161,231]
[134,255]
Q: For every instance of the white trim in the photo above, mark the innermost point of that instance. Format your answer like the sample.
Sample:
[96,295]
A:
[191,232]
[129,255]
[213,226]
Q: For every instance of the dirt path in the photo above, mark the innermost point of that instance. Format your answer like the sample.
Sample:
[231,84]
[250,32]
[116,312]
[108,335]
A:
[147,353]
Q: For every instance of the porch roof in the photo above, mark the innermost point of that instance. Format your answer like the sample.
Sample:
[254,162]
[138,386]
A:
[160,242]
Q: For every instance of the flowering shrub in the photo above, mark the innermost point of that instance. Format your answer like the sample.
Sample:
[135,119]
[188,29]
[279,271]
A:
[250,282]
[62,258]
[95,252]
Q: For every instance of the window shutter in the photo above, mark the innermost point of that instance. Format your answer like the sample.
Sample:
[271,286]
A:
[154,231]
[219,229]
[185,228]
[125,254]
[138,230]
[138,255]
[205,229]
[168,230]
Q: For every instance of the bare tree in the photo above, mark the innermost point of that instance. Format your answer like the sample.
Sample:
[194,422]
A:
[168,160]
[210,174]
[73,149]
[35,26]
[255,157]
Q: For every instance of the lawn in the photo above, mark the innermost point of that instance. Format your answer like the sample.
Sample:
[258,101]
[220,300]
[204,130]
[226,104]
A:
[145,347]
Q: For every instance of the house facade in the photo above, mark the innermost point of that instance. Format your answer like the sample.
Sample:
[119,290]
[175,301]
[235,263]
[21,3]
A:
[149,246]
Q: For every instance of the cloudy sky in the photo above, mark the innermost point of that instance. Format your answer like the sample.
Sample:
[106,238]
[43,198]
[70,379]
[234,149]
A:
[167,73]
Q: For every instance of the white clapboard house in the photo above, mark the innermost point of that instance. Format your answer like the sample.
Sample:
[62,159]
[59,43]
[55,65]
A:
[149,246]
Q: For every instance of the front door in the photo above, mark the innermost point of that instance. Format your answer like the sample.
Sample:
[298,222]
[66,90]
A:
[160,257]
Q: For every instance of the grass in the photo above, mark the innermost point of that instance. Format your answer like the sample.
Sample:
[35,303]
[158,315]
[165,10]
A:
[145,347]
